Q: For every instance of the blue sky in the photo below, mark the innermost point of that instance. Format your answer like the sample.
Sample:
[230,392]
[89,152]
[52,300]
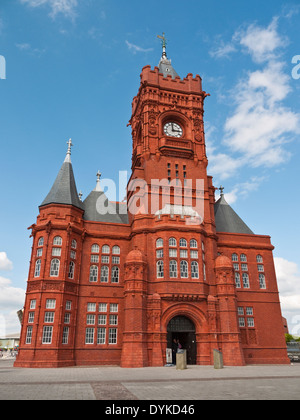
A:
[72,69]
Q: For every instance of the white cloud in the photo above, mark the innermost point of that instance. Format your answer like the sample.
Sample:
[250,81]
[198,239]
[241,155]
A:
[25,47]
[64,7]
[223,50]
[288,277]
[11,300]
[261,43]
[5,263]
[135,48]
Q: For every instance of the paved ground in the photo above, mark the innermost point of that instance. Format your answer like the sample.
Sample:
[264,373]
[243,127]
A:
[278,382]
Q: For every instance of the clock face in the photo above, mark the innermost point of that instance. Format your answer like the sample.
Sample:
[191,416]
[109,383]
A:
[173,129]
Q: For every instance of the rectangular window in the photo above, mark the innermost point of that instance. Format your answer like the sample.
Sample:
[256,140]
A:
[101,319]
[73,255]
[183,253]
[112,336]
[114,307]
[249,310]
[39,252]
[116,260]
[68,305]
[113,319]
[49,317]
[50,303]
[32,304]
[262,281]
[250,322]
[101,333]
[244,267]
[67,318]
[56,252]
[172,253]
[246,283]
[91,307]
[102,307]
[89,335]
[30,317]
[194,254]
[94,258]
[90,319]
[260,268]
[105,259]
[160,253]
[28,335]
[65,337]
[237,280]
[241,322]
[240,310]
[236,267]
[47,335]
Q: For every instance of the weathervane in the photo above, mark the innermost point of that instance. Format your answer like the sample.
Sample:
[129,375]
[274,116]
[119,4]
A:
[222,190]
[164,44]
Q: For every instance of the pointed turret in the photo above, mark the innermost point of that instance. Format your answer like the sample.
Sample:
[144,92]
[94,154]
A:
[64,189]
[226,218]
[165,65]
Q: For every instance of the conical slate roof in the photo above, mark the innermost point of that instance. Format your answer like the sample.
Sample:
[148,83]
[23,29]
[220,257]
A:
[166,68]
[98,208]
[227,220]
[64,189]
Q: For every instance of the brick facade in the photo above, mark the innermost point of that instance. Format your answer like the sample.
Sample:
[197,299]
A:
[106,292]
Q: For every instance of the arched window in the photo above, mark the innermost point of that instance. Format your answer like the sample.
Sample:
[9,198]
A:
[183,243]
[160,269]
[259,259]
[246,283]
[262,281]
[116,250]
[193,243]
[243,258]
[41,241]
[115,274]
[183,269]
[71,270]
[105,249]
[173,268]
[237,280]
[172,242]
[159,243]
[54,268]
[194,270]
[104,274]
[74,244]
[37,271]
[93,273]
[57,241]
[234,257]
[95,249]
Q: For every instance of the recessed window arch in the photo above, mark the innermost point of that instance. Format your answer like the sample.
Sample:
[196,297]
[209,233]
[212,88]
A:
[159,243]
[194,270]
[243,258]
[54,268]
[105,249]
[95,249]
[172,242]
[184,269]
[259,259]
[93,273]
[160,269]
[57,241]
[182,243]
[262,281]
[104,274]
[235,257]
[116,250]
[41,241]
[115,274]
[71,270]
[193,243]
[37,271]
[173,269]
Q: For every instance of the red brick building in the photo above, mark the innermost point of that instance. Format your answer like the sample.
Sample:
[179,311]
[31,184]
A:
[118,287]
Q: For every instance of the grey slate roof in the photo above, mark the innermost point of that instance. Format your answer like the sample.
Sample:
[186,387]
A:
[97,203]
[227,220]
[64,189]
[166,68]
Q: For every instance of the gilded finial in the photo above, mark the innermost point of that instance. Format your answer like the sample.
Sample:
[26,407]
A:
[164,44]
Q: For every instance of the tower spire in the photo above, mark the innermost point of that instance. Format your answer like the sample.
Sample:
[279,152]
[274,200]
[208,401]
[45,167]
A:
[68,156]
[164,45]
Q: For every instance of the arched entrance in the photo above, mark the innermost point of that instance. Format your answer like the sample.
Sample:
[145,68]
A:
[182,328]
